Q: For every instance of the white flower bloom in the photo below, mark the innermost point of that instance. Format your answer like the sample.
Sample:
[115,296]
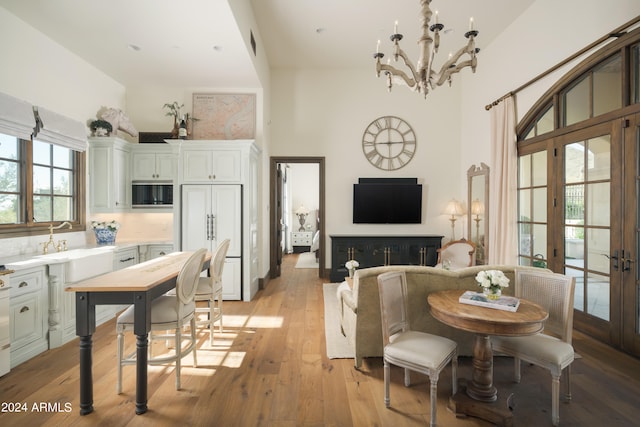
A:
[493,279]
[100,225]
[352,264]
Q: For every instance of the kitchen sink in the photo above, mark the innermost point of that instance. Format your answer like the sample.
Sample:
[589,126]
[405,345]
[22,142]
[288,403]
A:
[81,264]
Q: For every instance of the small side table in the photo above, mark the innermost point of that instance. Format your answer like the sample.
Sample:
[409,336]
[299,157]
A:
[301,241]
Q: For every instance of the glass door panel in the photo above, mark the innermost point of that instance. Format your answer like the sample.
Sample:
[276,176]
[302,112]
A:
[587,209]
[628,262]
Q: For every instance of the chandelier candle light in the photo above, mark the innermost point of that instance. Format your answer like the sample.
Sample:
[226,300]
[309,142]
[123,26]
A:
[423,76]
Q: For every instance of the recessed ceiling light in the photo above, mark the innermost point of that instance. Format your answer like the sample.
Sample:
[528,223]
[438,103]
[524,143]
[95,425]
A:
[134,47]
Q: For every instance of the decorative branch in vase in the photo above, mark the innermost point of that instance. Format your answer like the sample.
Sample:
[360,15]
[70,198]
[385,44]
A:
[174,111]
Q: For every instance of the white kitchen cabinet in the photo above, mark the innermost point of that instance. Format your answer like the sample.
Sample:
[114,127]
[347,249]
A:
[28,314]
[232,279]
[109,174]
[155,251]
[62,304]
[233,169]
[211,214]
[5,325]
[125,257]
[220,166]
[152,162]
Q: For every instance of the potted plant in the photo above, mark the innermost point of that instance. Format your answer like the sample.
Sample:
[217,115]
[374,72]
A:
[174,111]
[101,128]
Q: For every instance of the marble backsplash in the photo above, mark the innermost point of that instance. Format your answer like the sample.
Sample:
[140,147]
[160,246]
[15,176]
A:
[134,227]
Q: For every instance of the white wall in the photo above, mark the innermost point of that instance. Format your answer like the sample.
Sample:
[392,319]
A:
[39,71]
[325,112]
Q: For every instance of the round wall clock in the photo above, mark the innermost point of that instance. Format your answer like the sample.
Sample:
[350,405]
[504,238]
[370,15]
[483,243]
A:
[389,143]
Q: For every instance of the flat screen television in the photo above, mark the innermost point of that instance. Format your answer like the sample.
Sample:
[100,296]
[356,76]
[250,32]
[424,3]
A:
[387,201]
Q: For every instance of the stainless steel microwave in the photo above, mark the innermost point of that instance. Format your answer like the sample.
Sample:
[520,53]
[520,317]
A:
[154,194]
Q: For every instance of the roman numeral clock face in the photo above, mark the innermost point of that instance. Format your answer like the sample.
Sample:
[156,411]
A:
[389,143]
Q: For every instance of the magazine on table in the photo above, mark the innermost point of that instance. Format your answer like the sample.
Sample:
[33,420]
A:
[506,303]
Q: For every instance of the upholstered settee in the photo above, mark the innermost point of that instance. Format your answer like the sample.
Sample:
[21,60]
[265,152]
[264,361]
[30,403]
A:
[360,305]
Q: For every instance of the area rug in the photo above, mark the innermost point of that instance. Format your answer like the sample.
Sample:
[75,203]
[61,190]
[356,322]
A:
[337,345]
[307,260]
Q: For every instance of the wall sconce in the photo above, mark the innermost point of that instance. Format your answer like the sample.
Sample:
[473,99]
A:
[454,208]
[302,213]
[477,209]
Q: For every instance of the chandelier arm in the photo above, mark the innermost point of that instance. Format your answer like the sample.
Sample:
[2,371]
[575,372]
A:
[451,67]
[408,63]
[398,73]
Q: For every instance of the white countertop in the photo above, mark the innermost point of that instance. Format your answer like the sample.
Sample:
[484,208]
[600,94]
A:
[22,262]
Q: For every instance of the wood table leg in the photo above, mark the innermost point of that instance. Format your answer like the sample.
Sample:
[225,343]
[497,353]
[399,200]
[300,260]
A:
[85,327]
[141,373]
[479,398]
[86,376]
[481,387]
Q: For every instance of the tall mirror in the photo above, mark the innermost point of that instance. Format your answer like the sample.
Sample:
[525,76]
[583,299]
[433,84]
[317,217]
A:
[478,205]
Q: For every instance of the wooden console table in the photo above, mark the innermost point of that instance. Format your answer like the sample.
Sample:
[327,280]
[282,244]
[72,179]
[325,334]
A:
[374,251]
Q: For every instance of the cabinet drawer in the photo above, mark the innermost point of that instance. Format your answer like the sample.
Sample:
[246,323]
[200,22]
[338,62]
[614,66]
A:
[22,283]
[125,258]
[26,320]
[301,242]
[156,251]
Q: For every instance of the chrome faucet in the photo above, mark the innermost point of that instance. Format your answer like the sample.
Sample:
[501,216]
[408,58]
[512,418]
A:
[62,244]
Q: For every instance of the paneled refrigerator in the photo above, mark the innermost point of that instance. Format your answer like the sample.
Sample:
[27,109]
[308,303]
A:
[210,214]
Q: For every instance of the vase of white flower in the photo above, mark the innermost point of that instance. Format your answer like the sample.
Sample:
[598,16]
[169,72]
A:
[492,282]
[351,266]
[105,232]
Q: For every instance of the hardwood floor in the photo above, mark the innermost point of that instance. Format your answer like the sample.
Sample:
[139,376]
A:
[269,368]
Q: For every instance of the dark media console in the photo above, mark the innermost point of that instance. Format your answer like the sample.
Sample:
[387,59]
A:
[373,251]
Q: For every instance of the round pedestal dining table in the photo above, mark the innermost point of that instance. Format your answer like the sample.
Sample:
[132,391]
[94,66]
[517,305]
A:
[477,398]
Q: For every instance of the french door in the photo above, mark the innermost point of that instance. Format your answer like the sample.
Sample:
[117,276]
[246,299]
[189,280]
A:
[594,211]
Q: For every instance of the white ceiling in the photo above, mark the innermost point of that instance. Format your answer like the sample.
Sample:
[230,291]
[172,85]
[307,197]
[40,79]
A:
[196,43]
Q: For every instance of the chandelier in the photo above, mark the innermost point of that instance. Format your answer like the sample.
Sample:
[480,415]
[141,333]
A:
[423,77]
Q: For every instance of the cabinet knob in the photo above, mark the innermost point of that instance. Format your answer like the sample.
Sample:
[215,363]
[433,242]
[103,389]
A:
[1,283]
[24,309]
[23,284]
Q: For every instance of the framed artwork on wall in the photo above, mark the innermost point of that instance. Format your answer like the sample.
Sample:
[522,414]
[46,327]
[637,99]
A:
[224,115]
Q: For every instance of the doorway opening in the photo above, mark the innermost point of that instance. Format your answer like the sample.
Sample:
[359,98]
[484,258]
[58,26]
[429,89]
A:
[294,226]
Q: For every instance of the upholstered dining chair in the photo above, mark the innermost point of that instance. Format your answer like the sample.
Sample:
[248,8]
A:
[210,290]
[411,350]
[457,254]
[552,349]
[168,312]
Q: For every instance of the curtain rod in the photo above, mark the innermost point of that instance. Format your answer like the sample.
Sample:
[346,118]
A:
[618,32]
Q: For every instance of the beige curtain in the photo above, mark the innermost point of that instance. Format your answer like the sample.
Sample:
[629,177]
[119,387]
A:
[503,233]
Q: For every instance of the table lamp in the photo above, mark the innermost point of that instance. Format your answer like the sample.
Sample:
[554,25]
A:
[302,213]
[454,209]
